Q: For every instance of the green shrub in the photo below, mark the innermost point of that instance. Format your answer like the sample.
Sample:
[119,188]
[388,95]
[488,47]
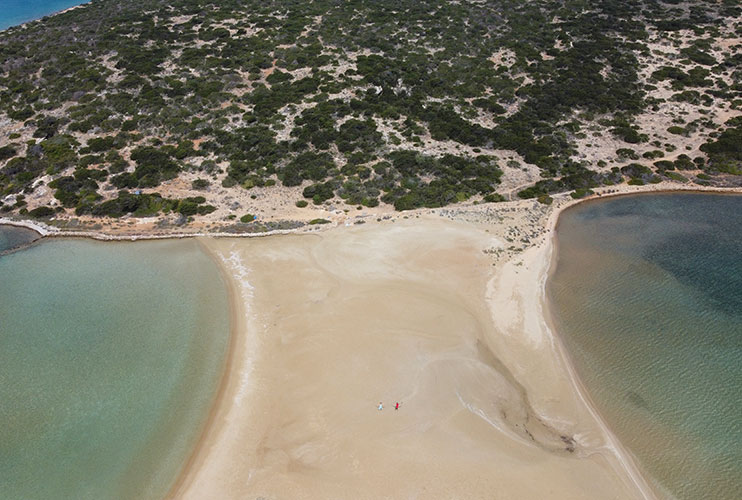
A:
[725,151]
[99,144]
[206,209]
[627,153]
[493,198]
[664,165]
[41,212]
[187,208]
[676,177]
[629,134]
[581,193]
[545,199]
[213,92]
[7,152]
[654,154]
[636,170]
[21,115]
[320,192]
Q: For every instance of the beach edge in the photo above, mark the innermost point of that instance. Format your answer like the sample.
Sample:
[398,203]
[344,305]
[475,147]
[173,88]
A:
[220,406]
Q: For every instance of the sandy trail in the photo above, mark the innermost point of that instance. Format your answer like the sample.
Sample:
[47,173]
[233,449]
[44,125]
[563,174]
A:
[330,324]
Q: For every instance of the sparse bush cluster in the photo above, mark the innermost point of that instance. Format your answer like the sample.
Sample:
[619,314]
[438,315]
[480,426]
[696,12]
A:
[340,98]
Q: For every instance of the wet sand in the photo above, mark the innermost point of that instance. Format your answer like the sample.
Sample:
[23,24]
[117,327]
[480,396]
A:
[330,324]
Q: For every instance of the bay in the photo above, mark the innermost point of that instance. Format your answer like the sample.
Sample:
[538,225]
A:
[111,355]
[647,295]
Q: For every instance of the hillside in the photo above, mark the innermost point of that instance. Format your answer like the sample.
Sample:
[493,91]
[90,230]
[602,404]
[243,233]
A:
[220,111]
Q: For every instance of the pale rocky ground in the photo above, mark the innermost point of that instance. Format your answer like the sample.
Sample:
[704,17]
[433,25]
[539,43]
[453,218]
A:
[597,144]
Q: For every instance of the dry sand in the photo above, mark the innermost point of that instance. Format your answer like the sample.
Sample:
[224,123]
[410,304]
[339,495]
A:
[329,324]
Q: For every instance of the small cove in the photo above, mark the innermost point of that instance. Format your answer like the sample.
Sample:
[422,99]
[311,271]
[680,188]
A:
[13,237]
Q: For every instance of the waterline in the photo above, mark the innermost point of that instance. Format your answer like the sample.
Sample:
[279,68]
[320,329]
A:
[16,12]
[647,291]
[111,357]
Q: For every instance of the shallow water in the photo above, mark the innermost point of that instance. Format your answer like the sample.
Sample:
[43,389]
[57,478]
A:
[15,237]
[15,12]
[110,358]
[647,293]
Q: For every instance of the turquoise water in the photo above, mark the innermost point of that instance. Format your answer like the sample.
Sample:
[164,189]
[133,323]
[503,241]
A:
[110,359]
[647,293]
[14,12]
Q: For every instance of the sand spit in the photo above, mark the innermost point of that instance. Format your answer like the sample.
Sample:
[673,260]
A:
[442,310]
[330,324]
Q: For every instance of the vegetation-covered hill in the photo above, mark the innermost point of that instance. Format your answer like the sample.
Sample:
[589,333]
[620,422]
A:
[406,102]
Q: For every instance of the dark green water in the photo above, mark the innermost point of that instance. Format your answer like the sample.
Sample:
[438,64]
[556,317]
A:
[647,294]
[110,357]
[13,237]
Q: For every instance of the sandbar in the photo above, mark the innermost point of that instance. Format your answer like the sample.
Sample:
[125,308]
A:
[420,312]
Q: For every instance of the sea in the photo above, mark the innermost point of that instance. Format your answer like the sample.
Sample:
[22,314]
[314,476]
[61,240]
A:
[15,12]
[646,294]
[111,355]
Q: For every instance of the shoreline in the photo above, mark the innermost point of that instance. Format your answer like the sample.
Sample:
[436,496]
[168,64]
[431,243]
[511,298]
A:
[630,467]
[24,24]
[622,463]
[536,266]
[234,433]
[624,456]
[232,384]
[46,230]
[209,430]
[545,249]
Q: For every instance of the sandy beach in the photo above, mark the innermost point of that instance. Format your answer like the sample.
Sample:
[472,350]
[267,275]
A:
[440,310]
[374,353]
[328,325]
